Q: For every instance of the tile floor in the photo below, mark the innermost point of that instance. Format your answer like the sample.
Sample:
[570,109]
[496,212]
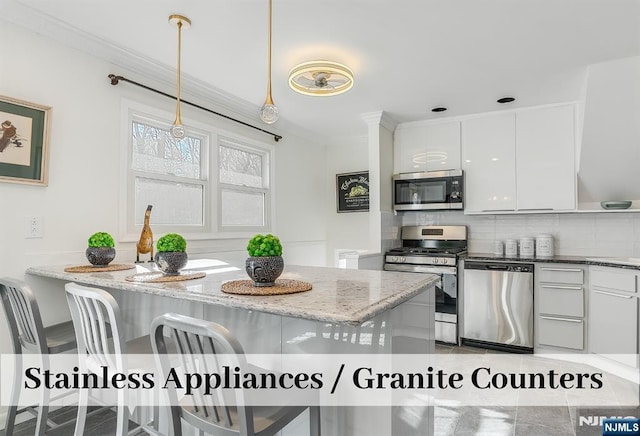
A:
[508,421]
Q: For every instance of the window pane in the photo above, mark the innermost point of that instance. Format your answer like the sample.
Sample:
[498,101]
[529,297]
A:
[239,167]
[156,151]
[173,203]
[242,208]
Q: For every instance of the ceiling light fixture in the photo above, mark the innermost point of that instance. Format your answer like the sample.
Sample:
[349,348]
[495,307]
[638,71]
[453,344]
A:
[506,100]
[322,78]
[438,109]
[181,22]
[269,112]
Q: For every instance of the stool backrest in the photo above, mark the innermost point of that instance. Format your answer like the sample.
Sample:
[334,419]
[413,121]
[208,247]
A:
[201,345]
[23,316]
[95,314]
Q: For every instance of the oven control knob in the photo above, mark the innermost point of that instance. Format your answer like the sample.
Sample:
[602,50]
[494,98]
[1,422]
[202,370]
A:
[455,194]
[436,261]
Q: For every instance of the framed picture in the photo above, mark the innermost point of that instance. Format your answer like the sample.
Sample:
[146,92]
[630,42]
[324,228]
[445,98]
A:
[352,191]
[24,137]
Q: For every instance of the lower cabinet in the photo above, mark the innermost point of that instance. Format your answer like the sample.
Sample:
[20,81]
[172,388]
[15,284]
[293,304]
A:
[559,306]
[613,314]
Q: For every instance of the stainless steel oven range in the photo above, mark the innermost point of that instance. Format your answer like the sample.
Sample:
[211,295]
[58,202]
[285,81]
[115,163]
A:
[435,250]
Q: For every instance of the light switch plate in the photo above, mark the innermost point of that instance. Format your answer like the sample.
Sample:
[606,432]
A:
[34,227]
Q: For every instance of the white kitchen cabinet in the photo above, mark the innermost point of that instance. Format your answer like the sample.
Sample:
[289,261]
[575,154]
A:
[488,159]
[559,306]
[545,173]
[427,147]
[613,314]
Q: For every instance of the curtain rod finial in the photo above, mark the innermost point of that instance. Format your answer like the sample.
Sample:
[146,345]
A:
[114,79]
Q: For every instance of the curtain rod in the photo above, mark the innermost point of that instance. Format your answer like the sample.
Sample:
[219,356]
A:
[116,79]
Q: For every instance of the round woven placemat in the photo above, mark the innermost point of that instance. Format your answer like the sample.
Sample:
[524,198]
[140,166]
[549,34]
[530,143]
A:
[158,277]
[282,286]
[91,268]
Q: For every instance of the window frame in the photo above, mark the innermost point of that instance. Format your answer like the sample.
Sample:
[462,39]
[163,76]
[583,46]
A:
[212,138]
[229,142]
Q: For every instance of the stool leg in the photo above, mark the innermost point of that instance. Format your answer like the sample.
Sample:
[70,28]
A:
[15,395]
[43,410]
[123,414]
[83,402]
[314,420]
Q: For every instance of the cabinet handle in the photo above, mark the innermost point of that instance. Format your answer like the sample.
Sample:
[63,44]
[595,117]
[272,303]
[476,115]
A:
[573,288]
[560,319]
[540,208]
[497,210]
[614,295]
[562,269]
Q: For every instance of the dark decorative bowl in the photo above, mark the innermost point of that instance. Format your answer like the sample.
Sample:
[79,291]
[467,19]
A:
[171,262]
[264,270]
[100,256]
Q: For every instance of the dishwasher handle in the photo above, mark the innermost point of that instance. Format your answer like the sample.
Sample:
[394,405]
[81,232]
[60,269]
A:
[499,266]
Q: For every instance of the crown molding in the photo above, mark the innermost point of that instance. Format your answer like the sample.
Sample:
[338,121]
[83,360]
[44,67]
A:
[380,118]
[160,75]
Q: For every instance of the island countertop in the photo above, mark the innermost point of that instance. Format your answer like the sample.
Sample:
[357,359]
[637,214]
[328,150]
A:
[339,295]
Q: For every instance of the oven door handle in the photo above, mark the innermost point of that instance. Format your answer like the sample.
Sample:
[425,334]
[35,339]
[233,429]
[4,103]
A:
[420,268]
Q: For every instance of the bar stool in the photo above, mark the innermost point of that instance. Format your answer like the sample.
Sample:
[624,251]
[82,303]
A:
[197,341]
[96,317]
[28,333]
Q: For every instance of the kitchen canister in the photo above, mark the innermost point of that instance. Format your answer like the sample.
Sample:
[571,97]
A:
[544,246]
[527,247]
[511,248]
[498,248]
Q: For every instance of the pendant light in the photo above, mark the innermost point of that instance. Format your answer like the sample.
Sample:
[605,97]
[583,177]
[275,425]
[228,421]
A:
[269,112]
[181,22]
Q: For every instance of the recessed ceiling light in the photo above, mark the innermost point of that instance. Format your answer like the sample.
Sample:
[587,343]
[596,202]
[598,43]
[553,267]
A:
[506,100]
[438,109]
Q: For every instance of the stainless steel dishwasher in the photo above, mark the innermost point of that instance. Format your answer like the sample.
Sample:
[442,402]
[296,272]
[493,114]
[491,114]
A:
[498,305]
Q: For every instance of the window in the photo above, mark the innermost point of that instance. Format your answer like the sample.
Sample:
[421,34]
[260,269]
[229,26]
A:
[207,184]
[243,187]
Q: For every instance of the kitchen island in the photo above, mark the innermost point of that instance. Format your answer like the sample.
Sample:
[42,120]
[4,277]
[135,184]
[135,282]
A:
[346,311]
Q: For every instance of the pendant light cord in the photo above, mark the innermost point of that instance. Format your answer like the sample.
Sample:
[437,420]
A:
[269,98]
[115,80]
[178,117]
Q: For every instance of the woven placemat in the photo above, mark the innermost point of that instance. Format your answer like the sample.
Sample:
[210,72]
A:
[158,277]
[282,286]
[91,268]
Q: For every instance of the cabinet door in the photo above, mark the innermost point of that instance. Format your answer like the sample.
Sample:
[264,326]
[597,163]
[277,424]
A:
[488,159]
[546,178]
[613,325]
[443,146]
[409,154]
[428,147]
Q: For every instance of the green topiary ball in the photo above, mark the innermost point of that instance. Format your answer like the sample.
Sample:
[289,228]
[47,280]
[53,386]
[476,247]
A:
[171,242]
[101,239]
[264,245]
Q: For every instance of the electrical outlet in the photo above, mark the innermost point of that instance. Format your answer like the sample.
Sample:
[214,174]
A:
[34,227]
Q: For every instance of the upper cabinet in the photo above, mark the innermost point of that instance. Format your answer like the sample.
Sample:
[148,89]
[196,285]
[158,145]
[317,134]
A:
[520,160]
[488,161]
[545,149]
[426,146]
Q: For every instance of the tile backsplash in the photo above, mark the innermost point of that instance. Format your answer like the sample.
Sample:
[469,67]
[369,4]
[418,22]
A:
[581,234]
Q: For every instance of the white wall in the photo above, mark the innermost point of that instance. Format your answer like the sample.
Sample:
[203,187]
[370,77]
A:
[581,234]
[345,231]
[83,192]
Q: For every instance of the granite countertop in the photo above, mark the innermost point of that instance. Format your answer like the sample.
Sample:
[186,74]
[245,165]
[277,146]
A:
[616,262]
[338,296]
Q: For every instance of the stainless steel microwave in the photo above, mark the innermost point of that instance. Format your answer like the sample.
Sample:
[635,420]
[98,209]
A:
[432,190]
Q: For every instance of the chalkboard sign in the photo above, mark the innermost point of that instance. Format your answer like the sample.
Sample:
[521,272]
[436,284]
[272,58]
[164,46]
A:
[353,191]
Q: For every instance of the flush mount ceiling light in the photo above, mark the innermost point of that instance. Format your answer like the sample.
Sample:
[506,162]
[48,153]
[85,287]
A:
[506,100]
[177,129]
[438,109]
[269,112]
[322,78]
